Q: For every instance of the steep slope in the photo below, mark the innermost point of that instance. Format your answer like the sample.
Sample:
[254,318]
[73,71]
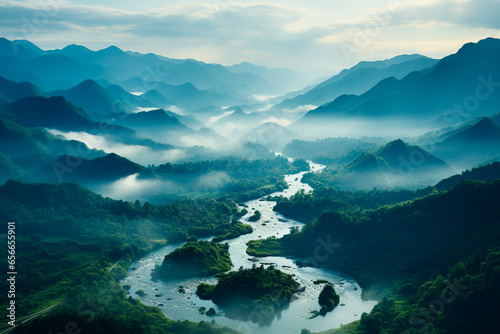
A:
[14,91]
[70,66]
[358,80]
[475,144]
[53,112]
[50,71]
[130,101]
[108,168]
[157,98]
[92,97]
[188,96]
[18,49]
[31,149]
[496,119]
[151,68]
[394,165]
[400,156]
[153,119]
[10,170]
[488,172]
[367,163]
[421,97]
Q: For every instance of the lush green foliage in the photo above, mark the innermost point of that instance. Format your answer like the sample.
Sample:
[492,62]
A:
[414,251]
[306,207]
[267,247]
[256,294]
[413,239]
[231,231]
[256,216]
[483,173]
[200,258]
[463,300]
[68,209]
[69,239]
[104,308]
[328,299]
[243,179]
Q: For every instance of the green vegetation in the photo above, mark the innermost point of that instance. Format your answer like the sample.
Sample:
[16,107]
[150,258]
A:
[141,293]
[462,301]
[241,179]
[200,258]
[306,207]
[484,173]
[411,252]
[104,308]
[267,247]
[256,216]
[256,294]
[231,231]
[71,240]
[328,299]
[211,312]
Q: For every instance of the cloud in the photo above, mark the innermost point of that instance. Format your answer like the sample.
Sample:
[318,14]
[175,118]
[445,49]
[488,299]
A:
[233,31]
[230,34]
[132,187]
[470,13]
[140,154]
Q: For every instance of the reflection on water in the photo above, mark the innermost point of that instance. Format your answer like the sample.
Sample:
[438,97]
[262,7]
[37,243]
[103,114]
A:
[178,301]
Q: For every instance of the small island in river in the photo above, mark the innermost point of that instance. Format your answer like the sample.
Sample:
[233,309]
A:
[195,258]
[256,294]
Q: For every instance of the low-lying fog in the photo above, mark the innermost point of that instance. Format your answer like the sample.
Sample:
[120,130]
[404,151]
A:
[227,131]
[137,153]
[134,187]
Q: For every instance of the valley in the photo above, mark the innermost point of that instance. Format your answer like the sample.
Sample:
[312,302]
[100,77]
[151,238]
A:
[154,194]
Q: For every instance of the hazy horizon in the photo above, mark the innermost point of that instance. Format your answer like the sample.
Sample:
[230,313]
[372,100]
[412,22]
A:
[322,36]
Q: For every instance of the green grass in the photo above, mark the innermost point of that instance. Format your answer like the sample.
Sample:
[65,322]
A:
[267,247]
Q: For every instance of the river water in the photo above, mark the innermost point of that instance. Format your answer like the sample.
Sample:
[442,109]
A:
[182,304]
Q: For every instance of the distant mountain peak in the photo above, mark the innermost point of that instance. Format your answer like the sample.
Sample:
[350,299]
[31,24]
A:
[113,50]
[397,153]
[485,129]
[365,162]
[484,124]
[76,47]
[89,83]
[394,147]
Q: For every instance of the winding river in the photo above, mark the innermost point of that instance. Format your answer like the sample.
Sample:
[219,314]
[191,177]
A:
[182,303]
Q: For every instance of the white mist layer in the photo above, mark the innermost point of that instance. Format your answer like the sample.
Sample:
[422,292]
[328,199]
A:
[137,153]
[131,188]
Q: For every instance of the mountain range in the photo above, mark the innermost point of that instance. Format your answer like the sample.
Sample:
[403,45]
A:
[422,97]
[24,152]
[64,68]
[472,145]
[358,79]
[92,97]
[395,165]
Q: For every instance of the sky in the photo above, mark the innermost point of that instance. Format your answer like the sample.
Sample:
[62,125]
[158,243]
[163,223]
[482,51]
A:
[325,35]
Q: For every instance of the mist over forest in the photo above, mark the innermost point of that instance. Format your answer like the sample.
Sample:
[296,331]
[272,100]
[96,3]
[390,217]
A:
[152,194]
